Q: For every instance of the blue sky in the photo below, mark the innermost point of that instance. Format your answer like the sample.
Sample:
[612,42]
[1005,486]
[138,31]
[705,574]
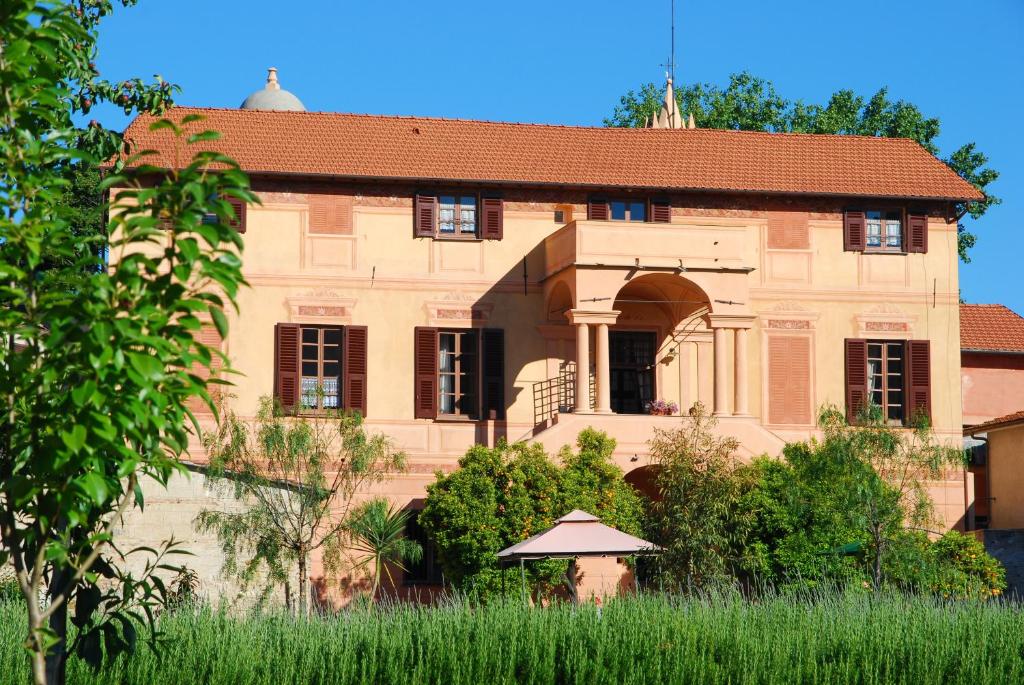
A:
[569,61]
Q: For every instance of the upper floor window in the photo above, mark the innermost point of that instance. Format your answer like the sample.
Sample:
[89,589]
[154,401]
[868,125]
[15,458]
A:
[628,210]
[456,215]
[892,230]
[884,230]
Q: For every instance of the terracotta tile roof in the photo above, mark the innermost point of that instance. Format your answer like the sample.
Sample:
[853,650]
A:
[991,327]
[1001,422]
[356,145]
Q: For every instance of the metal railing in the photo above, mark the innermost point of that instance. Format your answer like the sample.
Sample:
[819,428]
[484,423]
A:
[558,395]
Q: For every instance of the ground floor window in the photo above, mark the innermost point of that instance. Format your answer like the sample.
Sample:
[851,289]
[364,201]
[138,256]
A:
[321,367]
[457,380]
[886,378]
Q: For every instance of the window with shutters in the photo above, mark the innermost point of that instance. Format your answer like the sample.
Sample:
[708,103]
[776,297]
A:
[886,375]
[320,379]
[629,210]
[238,207]
[883,230]
[457,373]
[457,216]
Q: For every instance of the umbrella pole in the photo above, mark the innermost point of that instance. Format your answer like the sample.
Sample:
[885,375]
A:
[522,575]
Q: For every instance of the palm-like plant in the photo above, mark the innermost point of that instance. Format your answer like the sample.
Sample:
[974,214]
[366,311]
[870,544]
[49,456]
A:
[378,534]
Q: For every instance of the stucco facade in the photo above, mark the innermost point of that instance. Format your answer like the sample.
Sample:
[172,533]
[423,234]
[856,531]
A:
[740,298]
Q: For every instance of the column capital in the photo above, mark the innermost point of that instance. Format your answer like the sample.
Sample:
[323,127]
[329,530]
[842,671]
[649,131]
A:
[730,320]
[591,316]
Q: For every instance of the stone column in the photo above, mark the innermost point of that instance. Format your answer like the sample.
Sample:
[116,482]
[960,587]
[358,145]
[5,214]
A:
[721,407]
[604,388]
[582,368]
[741,404]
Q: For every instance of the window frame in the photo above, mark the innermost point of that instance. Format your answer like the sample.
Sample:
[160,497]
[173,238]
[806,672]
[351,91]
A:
[628,213]
[883,248]
[474,372]
[885,375]
[321,360]
[459,234]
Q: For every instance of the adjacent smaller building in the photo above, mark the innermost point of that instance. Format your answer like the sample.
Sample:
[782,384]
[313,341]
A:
[992,384]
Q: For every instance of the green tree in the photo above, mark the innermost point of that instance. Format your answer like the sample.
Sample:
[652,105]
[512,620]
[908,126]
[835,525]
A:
[96,368]
[749,103]
[697,519]
[495,498]
[377,531]
[591,481]
[848,505]
[297,479]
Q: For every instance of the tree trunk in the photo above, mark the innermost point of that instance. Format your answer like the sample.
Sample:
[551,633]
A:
[378,568]
[57,656]
[303,603]
[877,571]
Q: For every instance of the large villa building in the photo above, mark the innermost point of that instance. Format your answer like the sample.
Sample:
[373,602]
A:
[462,281]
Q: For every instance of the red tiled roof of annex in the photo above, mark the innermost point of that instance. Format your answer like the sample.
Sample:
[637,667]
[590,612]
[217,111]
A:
[1001,422]
[427,149]
[991,327]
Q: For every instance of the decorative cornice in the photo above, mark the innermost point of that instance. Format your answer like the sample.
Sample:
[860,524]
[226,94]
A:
[457,309]
[591,316]
[321,304]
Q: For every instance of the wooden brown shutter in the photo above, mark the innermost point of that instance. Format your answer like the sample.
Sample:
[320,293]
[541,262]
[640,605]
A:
[424,215]
[788,230]
[597,209]
[789,380]
[493,374]
[661,211]
[209,336]
[492,226]
[856,378]
[919,379]
[353,368]
[238,207]
[917,233]
[854,231]
[287,353]
[425,371]
[330,214]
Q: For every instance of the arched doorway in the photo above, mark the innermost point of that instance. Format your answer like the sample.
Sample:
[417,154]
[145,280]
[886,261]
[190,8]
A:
[657,311]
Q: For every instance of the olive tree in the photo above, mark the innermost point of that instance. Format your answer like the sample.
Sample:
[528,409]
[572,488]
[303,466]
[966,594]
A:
[98,363]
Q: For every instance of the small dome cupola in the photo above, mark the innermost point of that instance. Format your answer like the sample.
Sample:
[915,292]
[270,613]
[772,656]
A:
[272,97]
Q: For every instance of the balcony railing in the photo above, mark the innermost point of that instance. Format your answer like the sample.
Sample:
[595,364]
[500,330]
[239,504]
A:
[558,395]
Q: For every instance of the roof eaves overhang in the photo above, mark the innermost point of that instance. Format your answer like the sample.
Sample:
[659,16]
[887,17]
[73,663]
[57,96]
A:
[993,352]
[593,186]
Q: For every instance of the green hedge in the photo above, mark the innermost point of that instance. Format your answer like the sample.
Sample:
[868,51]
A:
[845,639]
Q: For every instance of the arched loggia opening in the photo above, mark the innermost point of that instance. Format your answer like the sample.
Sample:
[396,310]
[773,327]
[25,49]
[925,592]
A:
[658,312]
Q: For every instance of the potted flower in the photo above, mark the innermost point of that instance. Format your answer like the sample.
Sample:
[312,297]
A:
[661,408]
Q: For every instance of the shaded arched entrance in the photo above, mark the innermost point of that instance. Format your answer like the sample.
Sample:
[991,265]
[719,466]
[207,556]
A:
[645,481]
